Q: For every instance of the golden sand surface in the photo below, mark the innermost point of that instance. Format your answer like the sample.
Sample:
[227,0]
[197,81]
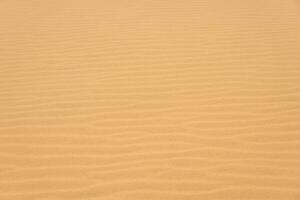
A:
[150,100]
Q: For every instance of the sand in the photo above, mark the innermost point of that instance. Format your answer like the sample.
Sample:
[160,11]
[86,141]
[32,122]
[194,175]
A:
[150,100]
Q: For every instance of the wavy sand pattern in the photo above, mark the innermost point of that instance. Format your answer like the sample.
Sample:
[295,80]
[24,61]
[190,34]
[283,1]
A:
[150,100]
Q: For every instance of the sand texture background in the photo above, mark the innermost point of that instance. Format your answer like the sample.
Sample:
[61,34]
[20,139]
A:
[150,100]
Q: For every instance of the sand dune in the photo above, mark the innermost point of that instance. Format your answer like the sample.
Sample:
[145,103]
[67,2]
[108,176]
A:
[150,100]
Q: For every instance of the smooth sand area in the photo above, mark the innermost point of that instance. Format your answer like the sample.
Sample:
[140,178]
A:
[150,100]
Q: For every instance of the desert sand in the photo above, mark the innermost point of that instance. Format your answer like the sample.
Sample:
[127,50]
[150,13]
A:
[150,100]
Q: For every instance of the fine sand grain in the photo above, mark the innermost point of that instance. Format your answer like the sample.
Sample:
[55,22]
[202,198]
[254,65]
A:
[149,100]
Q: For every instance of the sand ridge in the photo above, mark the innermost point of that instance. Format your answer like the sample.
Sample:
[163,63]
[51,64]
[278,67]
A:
[149,100]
